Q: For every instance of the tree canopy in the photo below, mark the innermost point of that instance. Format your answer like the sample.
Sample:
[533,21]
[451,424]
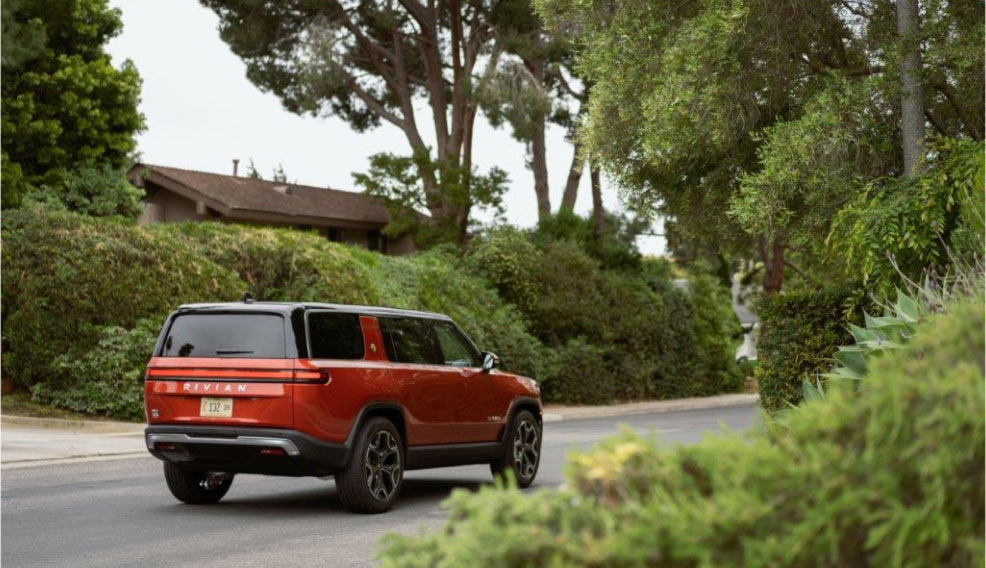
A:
[67,112]
[749,123]
[371,63]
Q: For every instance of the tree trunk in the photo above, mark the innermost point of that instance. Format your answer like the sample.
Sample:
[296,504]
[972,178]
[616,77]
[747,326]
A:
[911,91]
[773,264]
[572,183]
[539,164]
[597,203]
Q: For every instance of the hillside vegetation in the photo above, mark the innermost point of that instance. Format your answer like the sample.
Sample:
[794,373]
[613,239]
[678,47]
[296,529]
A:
[83,299]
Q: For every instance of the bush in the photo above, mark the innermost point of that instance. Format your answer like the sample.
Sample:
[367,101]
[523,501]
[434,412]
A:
[799,332]
[97,190]
[107,380]
[66,276]
[279,264]
[888,477]
[432,281]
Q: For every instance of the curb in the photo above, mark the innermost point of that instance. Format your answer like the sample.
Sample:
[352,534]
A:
[85,458]
[13,421]
[560,414]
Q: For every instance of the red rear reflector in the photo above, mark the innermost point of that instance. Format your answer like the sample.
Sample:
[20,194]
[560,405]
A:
[166,447]
[273,452]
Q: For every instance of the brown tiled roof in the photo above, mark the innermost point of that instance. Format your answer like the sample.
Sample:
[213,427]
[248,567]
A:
[248,194]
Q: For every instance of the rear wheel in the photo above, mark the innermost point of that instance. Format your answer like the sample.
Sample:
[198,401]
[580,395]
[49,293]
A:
[523,452]
[196,487]
[372,479]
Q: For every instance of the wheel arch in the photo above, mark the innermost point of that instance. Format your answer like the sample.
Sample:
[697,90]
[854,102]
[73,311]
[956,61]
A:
[516,406]
[389,410]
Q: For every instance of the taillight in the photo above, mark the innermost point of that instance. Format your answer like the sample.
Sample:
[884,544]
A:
[314,377]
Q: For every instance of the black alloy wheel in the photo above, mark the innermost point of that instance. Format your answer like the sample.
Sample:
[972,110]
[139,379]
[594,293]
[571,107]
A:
[523,452]
[371,481]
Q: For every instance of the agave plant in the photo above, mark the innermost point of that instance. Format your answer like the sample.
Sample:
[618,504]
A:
[883,333]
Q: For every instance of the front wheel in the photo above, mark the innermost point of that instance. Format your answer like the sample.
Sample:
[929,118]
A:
[523,452]
[372,480]
[196,487]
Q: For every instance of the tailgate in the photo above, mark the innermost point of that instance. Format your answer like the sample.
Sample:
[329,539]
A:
[221,391]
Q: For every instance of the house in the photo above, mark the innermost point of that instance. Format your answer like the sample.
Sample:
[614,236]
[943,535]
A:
[174,194]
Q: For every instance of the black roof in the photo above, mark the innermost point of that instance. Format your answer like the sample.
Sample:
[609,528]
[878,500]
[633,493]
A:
[288,307]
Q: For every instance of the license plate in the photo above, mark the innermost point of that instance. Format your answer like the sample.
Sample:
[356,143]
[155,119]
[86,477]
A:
[217,407]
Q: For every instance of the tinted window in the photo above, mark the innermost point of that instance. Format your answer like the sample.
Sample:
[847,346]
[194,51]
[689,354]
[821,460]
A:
[335,336]
[412,341]
[456,351]
[225,335]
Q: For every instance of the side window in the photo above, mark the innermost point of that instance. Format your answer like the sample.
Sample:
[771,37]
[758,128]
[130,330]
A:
[456,351]
[412,341]
[335,335]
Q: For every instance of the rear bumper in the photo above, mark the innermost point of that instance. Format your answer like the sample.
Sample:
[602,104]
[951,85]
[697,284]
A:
[238,450]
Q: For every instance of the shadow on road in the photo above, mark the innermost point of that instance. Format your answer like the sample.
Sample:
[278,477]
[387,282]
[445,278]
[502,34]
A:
[320,501]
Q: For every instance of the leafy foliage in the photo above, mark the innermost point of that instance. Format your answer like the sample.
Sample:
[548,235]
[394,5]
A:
[100,191]
[910,224]
[107,379]
[891,477]
[66,111]
[66,277]
[750,124]
[278,264]
[398,182]
[799,332]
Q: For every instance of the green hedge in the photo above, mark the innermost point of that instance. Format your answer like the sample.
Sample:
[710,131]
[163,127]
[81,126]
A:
[891,476]
[66,277]
[279,264]
[799,332]
[78,293]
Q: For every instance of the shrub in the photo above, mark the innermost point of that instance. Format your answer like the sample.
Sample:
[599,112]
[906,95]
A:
[888,477]
[569,306]
[717,333]
[799,332]
[107,380]
[432,281]
[507,258]
[98,190]
[279,264]
[66,276]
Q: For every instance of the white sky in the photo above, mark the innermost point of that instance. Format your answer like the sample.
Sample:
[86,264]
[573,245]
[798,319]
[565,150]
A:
[201,112]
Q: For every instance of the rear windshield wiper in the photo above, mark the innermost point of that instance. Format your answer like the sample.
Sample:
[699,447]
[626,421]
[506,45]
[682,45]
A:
[233,351]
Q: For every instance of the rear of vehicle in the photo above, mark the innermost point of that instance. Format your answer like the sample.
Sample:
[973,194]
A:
[219,396]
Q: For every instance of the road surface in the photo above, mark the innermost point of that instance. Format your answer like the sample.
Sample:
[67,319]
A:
[119,512]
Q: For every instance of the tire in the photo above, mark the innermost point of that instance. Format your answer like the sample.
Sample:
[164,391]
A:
[372,480]
[522,456]
[196,487]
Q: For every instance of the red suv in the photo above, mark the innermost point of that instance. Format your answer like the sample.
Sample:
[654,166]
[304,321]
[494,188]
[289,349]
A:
[358,393]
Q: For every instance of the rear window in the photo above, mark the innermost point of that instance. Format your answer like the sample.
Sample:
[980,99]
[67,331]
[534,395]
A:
[333,335]
[250,336]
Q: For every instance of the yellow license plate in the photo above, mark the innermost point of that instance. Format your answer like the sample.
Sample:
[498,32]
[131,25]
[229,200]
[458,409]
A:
[217,407]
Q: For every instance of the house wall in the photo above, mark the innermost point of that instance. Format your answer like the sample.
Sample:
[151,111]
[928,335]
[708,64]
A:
[168,207]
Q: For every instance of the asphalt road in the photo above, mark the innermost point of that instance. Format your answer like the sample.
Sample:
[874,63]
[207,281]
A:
[119,513]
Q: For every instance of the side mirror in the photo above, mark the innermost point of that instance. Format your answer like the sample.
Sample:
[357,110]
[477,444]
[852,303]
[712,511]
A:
[490,361]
